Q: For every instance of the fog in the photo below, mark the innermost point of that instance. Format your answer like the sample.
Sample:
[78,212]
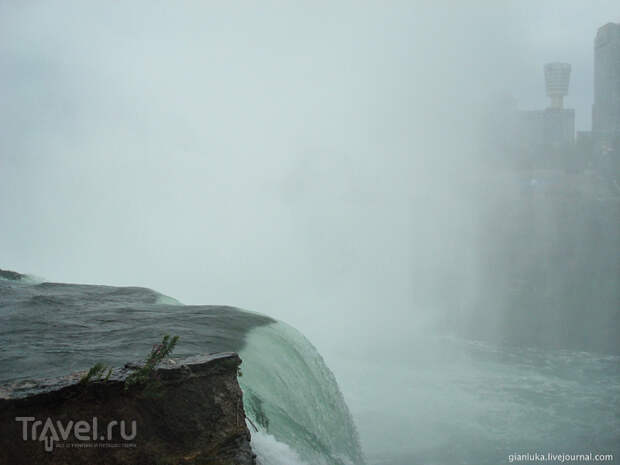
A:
[303,160]
[319,162]
[309,161]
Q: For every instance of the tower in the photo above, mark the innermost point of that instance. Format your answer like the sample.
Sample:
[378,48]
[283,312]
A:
[558,122]
[557,77]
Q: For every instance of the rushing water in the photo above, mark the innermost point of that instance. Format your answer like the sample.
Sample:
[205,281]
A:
[433,400]
[50,329]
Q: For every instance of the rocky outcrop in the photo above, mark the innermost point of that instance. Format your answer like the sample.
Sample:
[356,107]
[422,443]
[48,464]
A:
[195,417]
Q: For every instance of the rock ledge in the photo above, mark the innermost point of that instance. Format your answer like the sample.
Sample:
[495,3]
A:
[197,418]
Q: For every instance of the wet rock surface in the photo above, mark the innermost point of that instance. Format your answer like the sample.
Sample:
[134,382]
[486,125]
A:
[195,417]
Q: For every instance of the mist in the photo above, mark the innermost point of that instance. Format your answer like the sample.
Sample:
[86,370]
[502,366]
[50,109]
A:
[318,162]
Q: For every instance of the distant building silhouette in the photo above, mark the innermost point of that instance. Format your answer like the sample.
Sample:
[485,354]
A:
[545,139]
[558,122]
[544,136]
[606,107]
[557,77]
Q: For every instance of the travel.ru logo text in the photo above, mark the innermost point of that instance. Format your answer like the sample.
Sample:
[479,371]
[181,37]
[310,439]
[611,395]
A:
[50,433]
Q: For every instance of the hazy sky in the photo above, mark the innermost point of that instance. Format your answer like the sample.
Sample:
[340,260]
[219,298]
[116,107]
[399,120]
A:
[302,159]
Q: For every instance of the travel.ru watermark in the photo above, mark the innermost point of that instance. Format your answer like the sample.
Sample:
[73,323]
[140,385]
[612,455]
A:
[77,434]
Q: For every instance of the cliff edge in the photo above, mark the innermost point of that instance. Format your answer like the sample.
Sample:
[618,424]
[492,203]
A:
[195,417]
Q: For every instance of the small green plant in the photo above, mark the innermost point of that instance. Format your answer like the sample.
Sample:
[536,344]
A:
[146,375]
[97,372]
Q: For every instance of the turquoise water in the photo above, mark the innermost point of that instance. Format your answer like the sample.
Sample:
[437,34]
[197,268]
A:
[445,400]
[49,330]
[429,399]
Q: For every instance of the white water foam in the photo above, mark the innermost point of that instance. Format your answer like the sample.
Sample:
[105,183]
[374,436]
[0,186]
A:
[269,451]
